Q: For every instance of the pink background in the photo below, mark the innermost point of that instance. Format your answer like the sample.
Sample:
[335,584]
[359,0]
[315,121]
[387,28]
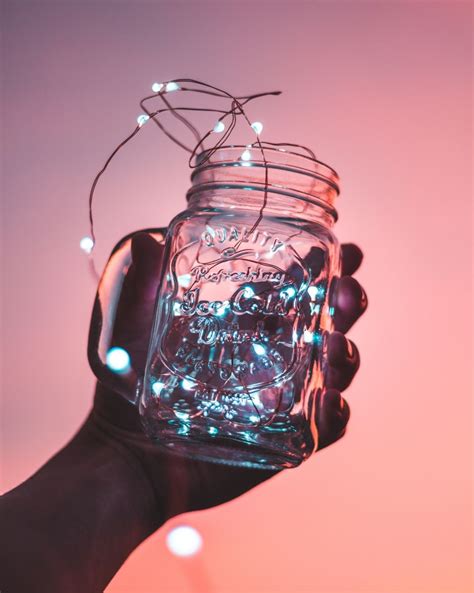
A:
[379,90]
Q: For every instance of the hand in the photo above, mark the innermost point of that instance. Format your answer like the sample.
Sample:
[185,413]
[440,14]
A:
[181,484]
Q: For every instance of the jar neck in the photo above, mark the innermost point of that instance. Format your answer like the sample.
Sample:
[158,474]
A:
[289,184]
[245,200]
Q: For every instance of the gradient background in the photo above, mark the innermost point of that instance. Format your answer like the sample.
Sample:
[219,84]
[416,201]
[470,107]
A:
[379,90]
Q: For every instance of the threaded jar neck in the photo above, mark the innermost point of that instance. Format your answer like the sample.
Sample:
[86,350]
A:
[289,174]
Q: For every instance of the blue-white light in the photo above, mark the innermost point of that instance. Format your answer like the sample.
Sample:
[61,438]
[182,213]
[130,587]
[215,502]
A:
[246,155]
[249,292]
[212,430]
[290,291]
[172,86]
[316,292]
[219,127]
[142,119]
[86,244]
[257,127]
[184,541]
[259,349]
[222,309]
[312,337]
[156,87]
[184,280]
[157,387]
[187,384]
[118,360]
[254,418]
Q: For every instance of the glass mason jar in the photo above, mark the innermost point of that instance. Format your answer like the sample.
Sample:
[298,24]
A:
[236,357]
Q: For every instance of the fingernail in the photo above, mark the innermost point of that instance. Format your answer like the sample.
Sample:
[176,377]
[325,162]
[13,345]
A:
[363,299]
[349,349]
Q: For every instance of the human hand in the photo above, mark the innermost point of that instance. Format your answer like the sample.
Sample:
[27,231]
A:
[183,484]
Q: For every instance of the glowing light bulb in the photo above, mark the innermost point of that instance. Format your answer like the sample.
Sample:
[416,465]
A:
[212,430]
[254,419]
[249,292]
[222,309]
[86,244]
[171,86]
[290,291]
[259,349]
[184,280]
[316,291]
[156,87]
[157,387]
[118,360]
[219,127]
[142,119]
[257,127]
[184,541]
[308,336]
[187,384]
[246,155]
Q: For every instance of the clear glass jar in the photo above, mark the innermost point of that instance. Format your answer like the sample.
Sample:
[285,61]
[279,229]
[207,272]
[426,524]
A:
[237,352]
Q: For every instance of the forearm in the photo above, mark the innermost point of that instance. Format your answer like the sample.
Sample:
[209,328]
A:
[72,524]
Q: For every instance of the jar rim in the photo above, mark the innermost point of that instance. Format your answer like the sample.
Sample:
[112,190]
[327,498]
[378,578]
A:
[289,159]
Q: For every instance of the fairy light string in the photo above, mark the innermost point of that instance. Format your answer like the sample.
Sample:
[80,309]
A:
[189,85]
[223,128]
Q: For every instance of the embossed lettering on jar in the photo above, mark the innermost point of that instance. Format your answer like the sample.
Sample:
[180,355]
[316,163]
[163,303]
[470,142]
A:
[237,355]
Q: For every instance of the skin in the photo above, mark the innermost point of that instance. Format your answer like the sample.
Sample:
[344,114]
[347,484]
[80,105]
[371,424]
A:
[71,525]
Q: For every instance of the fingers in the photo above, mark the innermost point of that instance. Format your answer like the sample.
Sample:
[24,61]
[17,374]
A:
[134,314]
[351,258]
[144,272]
[343,361]
[333,416]
[351,302]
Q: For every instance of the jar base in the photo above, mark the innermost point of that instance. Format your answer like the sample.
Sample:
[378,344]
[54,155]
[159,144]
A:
[226,450]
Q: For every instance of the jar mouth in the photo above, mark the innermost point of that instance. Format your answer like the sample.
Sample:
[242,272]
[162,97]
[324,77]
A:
[285,171]
[287,157]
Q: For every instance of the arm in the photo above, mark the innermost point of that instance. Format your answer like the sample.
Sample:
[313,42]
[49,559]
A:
[71,525]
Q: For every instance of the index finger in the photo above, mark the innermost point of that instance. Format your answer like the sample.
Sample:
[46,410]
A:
[352,257]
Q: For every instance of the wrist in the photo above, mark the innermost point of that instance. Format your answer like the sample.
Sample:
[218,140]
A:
[92,495]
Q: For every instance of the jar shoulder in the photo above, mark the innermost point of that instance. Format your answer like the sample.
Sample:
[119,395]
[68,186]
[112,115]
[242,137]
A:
[195,221]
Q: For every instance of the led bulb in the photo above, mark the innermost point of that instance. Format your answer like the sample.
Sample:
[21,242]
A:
[142,119]
[259,349]
[184,541]
[86,244]
[290,291]
[187,384]
[156,87]
[157,387]
[171,86]
[246,155]
[257,127]
[184,280]
[118,360]
[219,127]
